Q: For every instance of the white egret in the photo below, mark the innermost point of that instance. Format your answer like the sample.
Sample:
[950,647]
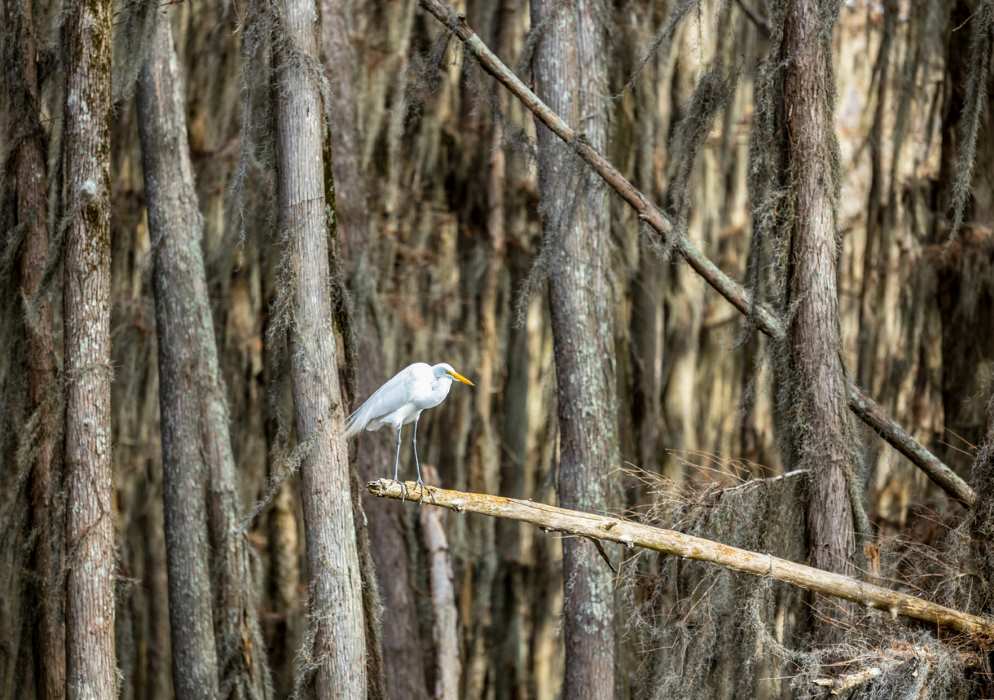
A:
[401,400]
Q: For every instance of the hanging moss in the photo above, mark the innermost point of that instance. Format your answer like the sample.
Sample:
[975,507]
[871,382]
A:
[974,107]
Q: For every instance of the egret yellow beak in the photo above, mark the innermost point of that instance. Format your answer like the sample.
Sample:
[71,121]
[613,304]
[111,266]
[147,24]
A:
[459,378]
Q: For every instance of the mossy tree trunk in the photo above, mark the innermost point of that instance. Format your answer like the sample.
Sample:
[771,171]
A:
[338,651]
[173,223]
[820,433]
[571,76]
[201,503]
[400,638]
[31,178]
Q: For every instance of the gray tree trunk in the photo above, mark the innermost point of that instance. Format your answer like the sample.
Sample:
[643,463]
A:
[571,76]
[174,224]
[199,492]
[90,660]
[335,596]
[821,433]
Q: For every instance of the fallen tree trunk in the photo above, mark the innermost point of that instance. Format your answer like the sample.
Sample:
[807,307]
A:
[765,318]
[632,534]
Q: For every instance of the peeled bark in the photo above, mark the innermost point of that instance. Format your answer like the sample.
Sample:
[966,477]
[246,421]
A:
[571,75]
[821,435]
[90,660]
[199,471]
[335,596]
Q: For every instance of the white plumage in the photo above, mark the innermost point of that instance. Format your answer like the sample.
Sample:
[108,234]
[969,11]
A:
[401,400]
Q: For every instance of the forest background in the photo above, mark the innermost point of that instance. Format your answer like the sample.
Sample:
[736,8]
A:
[225,224]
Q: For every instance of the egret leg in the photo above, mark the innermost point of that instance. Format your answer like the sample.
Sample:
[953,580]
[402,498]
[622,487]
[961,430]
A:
[417,465]
[396,461]
[417,461]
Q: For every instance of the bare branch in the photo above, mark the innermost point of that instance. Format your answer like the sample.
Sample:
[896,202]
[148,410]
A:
[766,320]
[631,534]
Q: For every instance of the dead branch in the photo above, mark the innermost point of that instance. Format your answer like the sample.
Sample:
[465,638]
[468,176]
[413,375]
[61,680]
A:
[632,534]
[840,685]
[765,318]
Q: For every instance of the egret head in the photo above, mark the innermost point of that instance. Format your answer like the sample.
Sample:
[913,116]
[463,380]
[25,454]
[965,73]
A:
[444,369]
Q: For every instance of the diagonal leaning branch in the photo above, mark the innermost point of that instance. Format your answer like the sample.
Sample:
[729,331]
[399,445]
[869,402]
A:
[632,534]
[766,320]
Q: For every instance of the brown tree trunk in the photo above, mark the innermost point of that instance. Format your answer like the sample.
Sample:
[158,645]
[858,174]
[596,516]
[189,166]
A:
[962,299]
[90,660]
[484,462]
[199,471]
[570,75]
[821,435]
[335,596]
[46,477]
[511,629]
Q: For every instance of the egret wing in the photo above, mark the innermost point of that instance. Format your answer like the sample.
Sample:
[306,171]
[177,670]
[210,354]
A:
[384,401]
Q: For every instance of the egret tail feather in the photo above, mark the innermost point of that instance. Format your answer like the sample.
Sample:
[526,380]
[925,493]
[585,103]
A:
[354,424]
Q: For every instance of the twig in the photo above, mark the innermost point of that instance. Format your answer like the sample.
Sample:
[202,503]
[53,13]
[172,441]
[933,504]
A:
[632,534]
[765,318]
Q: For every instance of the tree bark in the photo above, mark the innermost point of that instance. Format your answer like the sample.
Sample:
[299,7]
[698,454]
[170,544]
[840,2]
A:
[821,435]
[31,179]
[335,596]
[400,639]
[174,224]
[199,471]
[90,660]
[570,74]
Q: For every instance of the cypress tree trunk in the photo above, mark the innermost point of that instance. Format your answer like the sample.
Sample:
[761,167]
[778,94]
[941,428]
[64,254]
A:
[46,476]
[90,660]
[335,596]
[821,433]
[400,638]
[174,225]
[199,471]
[570,75]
